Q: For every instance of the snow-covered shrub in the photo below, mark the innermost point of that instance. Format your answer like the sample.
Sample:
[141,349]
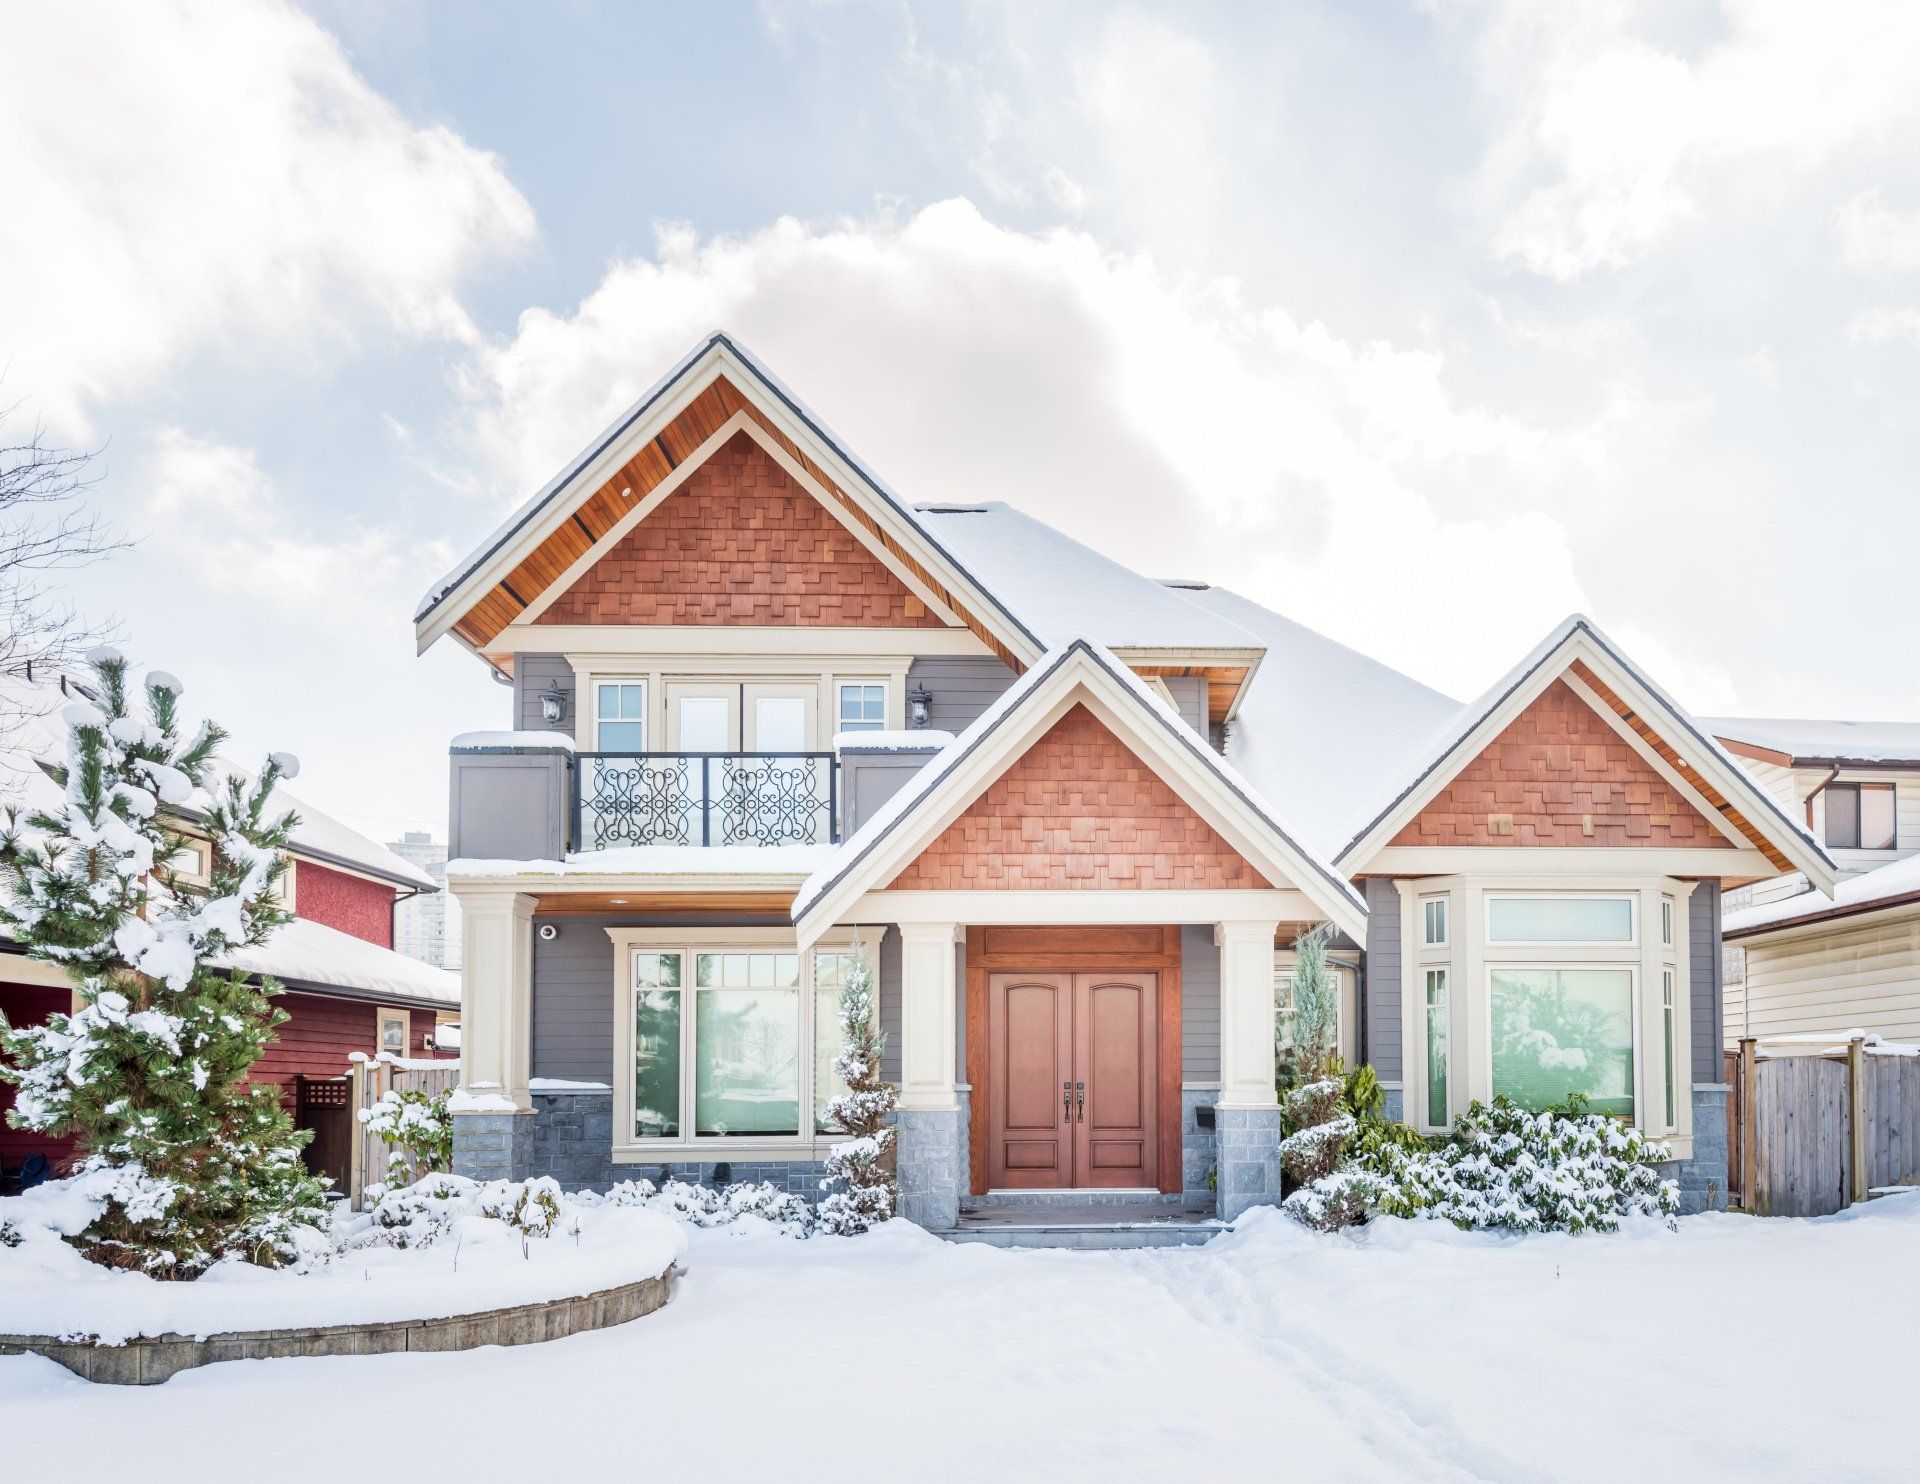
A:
[702,1206]
[415,1215]
[1564,1169]
[187,1161]
[859,1169]
[1320,1130]
[10,1235]
[529,1206]
[416,1121]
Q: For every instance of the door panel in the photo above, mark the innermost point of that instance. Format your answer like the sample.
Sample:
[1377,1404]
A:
[702,718]
[1031,1056]
[779,718]
[1115,1047]
[1072,1084]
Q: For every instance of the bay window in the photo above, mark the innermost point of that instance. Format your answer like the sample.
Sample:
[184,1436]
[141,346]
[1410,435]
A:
[1436,1048]
[729,1041]
[1560,1031]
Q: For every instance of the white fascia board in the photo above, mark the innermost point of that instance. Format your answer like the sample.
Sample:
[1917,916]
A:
[1079,677]
[678,883]
[1578,640]
[1586,861]
[1074,908]
[1147,654]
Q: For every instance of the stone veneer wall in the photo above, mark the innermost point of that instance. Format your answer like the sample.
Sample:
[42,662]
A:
[570,1137]
[1703,1179]
[1197,1148]
[1248,1144]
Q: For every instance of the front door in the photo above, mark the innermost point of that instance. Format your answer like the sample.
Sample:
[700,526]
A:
[1072,1085]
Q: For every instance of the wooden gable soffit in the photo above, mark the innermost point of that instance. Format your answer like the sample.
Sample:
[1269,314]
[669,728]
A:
[1674,760]
[579,530]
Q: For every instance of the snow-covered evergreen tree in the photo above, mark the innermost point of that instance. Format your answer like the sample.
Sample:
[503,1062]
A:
[185,1160]
[859,1166]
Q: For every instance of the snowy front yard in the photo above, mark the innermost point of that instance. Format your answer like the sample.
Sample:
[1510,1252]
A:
[1732,1348]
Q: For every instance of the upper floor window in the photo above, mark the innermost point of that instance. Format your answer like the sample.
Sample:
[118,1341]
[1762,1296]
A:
[863,706]
[1433,922]
[1559,919]
[620,715]
[1860,816]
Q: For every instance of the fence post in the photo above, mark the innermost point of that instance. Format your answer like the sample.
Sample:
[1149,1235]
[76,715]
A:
[356,1138]
[1749,1122]
[1857,1120]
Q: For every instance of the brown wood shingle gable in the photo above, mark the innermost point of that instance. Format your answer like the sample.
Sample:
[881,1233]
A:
[653,462]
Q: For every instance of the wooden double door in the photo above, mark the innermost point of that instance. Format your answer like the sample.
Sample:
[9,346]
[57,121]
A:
[1074,1078]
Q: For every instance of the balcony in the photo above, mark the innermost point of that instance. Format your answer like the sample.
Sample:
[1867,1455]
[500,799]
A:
[625,799]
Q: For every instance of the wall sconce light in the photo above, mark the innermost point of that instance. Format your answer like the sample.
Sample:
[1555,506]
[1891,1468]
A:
[919,699]
[553,706]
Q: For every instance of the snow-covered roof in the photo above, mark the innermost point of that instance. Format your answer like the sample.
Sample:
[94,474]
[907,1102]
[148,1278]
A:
[1890,885]
[303,952]
[39,736]
[1823,741]
[1322,729]
[924,783]
[1062,590]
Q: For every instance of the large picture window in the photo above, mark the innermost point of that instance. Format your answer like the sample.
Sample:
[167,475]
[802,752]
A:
[1557,1031]
[734,1042]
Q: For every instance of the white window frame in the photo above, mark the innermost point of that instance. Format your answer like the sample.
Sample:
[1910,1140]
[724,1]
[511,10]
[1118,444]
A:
[200,873]
[874,682]
[1444,1122]
[1529,945]
[594,682]
[631,1148]
[1667,921]
[1445,906]
[382,1015]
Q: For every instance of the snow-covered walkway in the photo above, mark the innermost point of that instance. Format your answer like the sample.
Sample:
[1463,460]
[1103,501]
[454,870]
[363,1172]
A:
[1734,1348]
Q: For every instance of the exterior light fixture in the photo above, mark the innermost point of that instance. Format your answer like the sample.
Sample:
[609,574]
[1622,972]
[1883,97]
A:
[919,699]
[553,706]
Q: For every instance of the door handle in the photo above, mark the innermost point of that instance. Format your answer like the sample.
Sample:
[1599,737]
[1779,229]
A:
[1066,1102]
[1080,1101]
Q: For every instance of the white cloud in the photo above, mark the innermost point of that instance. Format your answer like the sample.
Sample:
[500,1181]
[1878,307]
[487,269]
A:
[1639,135]
[184,174]
[1171,423]
[1876,238]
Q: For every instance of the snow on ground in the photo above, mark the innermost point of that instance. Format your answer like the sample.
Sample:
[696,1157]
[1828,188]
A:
[1732,1348]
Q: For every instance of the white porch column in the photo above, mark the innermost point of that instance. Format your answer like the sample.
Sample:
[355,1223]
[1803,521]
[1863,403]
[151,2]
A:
[929,1000]
[1246,1013]
[496,994]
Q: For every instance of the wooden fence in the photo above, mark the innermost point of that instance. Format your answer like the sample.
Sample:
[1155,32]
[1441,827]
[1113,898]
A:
[368,1081]
[1813,1127]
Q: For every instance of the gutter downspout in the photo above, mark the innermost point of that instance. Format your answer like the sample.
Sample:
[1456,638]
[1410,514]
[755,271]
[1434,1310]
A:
[1818,789]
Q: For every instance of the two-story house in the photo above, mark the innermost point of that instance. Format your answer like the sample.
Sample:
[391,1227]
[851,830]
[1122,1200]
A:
[1805,964]
[767,715]
[347,990]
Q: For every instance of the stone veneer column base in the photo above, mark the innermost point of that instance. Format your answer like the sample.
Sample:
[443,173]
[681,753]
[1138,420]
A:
[931,1166]
[492,1146]
[1248,1141]
[1703,1178]
[1198,1150]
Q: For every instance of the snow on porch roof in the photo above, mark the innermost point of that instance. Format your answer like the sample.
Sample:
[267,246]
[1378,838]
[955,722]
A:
[1827,742]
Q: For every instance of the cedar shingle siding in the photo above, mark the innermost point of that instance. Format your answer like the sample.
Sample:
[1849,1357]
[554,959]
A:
[1079,811]
[1559,775]
[741,542]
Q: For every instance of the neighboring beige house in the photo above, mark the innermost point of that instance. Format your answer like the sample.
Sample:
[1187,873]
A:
[1801,963]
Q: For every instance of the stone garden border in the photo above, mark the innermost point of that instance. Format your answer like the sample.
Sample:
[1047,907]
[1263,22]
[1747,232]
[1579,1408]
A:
[151,1359]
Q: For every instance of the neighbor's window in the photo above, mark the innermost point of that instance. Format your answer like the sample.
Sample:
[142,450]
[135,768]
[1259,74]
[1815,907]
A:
[863,707]
[1433,921]
[656,1045]
[394,1025]
[1559,1031]
[746,1043]
[1860,816]
[1559,919]
[1437,1048]
[620,715]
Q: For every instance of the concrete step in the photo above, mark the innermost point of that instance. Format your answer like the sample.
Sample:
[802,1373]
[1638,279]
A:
[1088,1225]
[1085,1238]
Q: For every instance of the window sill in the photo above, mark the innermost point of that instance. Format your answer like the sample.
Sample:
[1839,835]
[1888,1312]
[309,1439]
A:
[717,1151]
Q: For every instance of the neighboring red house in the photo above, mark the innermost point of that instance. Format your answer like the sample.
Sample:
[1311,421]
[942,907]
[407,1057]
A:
[346,988]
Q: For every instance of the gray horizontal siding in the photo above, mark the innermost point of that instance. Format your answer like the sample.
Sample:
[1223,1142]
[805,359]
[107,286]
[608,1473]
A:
[1189,694]
[1708,986]
[1383,1047]
[962,687]
[573,980]
[1199,1005]
[532,675]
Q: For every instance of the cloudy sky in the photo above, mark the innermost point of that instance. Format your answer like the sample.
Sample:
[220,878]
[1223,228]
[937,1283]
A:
[1424,323]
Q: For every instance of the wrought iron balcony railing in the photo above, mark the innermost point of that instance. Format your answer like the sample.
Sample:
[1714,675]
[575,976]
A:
[704,798]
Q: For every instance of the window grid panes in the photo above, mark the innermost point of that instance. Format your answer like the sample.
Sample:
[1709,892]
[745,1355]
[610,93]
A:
[656,1045]
[1860,816]
[1434,921]
[1437,1048]
[1666,921]
[863,708]
[1559,919]
[620,715]
[1558,1031]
